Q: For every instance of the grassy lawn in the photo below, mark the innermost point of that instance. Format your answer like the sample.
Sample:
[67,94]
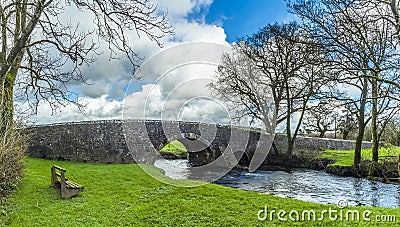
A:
[346,157]
[124,195]
[175,147]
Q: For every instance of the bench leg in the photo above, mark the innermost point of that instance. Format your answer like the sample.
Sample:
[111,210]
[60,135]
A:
[69,193]
[54,181]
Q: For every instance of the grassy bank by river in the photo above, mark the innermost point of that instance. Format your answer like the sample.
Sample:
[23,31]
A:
[124,195]
[346,157]
[341,161]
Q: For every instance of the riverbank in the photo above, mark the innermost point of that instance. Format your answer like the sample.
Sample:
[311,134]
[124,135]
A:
[386,170]
[337,162]
[340,162]
[124,195]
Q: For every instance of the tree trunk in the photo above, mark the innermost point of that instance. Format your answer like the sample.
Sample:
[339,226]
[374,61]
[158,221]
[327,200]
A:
[374,128]
[374,119]
[345,134]
[6,96]
[296,132]
[361,124]
[289,132]
[357,151]
[288,118]
[6,105]
[275,148]
[290,147]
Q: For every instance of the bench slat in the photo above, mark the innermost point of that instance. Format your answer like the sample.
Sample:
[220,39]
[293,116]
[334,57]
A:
[59,168]
[71,184]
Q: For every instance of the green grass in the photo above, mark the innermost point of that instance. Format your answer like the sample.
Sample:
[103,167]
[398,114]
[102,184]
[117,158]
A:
[124,195]
[346,157]
[175,147]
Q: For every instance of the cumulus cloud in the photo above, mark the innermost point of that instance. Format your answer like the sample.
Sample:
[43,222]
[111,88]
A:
[195,32]
[180,94]
[94,109]
[205,110]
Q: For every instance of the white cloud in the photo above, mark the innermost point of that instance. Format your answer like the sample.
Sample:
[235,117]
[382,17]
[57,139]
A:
[145,102]
[94,109]
[205,110]
[182,94]
[108,79]
[195,32]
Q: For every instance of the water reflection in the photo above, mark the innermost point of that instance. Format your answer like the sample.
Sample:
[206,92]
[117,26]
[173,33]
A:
[303,184]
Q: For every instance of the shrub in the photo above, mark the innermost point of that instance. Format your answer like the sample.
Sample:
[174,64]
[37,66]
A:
[13,144]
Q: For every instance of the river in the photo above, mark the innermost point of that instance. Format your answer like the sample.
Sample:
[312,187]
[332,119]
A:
[303,184]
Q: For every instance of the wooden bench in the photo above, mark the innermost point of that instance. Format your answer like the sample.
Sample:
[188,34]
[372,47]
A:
[58,180]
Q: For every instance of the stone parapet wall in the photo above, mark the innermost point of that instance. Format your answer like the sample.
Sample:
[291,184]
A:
[313,143]
[96,142]
[117,141]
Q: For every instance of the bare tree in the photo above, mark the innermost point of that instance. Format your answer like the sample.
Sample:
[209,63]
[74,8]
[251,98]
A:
[362,47]
[47,53]
[349,63]
[321,117]
[272,74]
[246,89]
[388,109]
[296,67]
[347,121]
[391,134]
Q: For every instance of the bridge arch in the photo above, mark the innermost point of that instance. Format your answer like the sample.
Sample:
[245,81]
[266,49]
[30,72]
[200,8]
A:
[200,150]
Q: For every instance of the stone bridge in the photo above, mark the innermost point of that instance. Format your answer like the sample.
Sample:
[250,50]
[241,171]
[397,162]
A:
[138,141]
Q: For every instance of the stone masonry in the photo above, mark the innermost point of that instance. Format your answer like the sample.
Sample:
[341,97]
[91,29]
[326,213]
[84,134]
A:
[138,141]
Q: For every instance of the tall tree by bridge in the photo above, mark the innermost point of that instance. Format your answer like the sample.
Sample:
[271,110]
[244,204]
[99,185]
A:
[41,53]
[271,75]
[365,51]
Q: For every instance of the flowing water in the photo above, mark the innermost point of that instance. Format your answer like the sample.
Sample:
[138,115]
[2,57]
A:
[303,184]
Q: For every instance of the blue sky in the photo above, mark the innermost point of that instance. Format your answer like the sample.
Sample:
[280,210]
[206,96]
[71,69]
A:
[244,17]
